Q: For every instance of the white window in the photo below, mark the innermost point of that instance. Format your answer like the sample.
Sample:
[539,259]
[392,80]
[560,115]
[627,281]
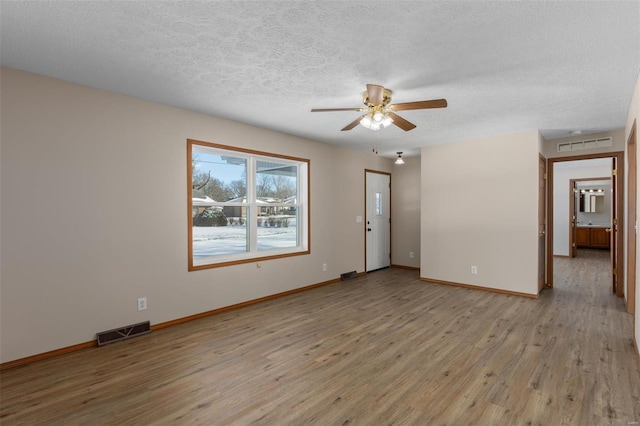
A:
[245,205]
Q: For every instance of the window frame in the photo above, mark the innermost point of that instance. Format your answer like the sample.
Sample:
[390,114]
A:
[303,204]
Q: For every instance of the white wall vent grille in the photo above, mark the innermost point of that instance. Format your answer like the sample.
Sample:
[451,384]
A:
[585,144]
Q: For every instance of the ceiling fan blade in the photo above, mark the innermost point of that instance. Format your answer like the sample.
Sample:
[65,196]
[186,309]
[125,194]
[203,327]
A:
[401,122]
[336,109]
[434,103]
[353,124]
[375,94]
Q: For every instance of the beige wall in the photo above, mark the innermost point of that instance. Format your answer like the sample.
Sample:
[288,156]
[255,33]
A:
[94,214]
[405,220]
[480,209]
[634,115]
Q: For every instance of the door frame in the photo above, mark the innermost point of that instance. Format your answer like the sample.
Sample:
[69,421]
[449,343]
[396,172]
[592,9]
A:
[617,216]
[573,217]
[364,222]
[632,187]
[542,222]
[619,157]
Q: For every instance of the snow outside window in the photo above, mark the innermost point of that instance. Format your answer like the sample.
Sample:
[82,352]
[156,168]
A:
[245,205]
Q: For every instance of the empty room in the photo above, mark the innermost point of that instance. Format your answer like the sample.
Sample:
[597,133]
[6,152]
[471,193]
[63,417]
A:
[331,213]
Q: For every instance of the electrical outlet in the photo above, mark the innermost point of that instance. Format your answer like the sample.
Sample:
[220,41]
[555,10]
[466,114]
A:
[410,255]
[474,270]
[324,267]
[142,303]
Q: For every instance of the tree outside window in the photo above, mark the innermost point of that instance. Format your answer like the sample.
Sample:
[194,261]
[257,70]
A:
[245,205]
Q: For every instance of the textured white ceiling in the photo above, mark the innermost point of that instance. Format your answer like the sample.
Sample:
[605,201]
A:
[503,66]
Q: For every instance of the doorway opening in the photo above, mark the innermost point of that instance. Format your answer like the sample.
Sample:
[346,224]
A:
[589,209]
[559,181]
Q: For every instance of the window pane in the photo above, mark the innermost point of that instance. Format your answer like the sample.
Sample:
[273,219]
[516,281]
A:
[245,205]
[216,233]
[378,204]
[218,178]
[277,227]
[276,182]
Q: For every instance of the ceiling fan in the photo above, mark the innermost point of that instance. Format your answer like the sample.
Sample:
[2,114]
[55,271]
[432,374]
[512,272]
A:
[379,113]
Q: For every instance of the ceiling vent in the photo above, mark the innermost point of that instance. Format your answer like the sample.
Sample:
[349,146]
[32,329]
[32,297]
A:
[585,144]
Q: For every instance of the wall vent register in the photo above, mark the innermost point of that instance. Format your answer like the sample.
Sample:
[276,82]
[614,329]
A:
[123,333]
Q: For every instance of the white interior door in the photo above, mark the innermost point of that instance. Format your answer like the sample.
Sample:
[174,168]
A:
[378,218]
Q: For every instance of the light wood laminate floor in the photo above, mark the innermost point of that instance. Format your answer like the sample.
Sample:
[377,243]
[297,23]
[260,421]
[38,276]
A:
[382,349]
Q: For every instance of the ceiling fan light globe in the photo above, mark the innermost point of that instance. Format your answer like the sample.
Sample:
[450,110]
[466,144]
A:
[386,122]
[375,126]
[366,122]
[378,116]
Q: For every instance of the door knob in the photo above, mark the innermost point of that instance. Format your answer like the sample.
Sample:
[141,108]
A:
[608,229]
[540,232]
[368,229]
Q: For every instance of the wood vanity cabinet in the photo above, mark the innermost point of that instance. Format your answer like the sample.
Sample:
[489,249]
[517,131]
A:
[582,237]
[600,238]
[593,238]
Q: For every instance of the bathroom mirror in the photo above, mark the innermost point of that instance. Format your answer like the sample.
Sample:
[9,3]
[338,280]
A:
[592,200]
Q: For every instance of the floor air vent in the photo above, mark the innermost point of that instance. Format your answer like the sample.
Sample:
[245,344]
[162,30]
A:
[348,275]
[117,334]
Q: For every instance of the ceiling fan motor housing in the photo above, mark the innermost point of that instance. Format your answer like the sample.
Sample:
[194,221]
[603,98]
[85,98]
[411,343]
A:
[386,98]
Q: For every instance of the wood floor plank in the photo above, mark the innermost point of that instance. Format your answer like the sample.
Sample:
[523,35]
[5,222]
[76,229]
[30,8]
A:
[383,348]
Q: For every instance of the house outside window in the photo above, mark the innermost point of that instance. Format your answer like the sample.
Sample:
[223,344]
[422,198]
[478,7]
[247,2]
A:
[245,205]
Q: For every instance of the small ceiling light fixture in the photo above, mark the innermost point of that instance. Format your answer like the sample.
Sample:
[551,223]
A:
[399,160]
